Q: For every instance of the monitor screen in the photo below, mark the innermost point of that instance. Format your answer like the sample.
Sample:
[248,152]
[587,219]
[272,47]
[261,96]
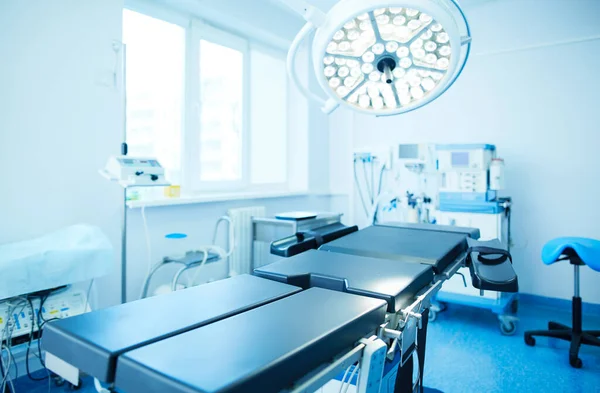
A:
[460,159]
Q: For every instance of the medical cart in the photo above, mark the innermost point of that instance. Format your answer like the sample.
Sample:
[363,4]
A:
[493,220]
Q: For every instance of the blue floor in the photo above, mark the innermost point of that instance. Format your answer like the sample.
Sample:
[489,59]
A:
[467,353]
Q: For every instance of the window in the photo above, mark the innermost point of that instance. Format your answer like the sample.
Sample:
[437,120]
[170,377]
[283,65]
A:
[210,105]
[269,142]
[155,88]
[221,112]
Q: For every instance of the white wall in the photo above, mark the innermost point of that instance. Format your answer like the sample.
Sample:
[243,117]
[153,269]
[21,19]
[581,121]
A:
[539,105]
[58,122]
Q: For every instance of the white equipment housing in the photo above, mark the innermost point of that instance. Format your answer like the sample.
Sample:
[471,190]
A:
[467,181]
[465,168]
[417,157]
[135,171]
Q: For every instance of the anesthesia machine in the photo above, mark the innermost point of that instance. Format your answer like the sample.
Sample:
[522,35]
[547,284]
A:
[455,185]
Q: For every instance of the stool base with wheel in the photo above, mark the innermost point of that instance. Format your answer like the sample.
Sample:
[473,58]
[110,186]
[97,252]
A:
[579,252]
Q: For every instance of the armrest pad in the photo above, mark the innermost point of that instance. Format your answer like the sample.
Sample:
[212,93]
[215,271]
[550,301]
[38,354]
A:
[310,240]
[491,266]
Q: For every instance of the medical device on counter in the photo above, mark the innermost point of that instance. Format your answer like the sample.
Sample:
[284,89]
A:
[135,171]
[129,172]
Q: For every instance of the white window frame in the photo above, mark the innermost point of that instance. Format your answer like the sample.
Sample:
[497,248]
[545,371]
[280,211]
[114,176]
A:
[196,30]
[285,186]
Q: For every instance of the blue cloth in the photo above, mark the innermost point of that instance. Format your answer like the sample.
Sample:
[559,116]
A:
[587,249]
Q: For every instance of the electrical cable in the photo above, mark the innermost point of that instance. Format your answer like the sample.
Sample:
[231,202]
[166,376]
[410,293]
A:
[367,184]
[147,235]
[372,163]
[359,190]
[191,280]
[29,344]
[344,378]
[2,388]
[418,381]
[380,179]
[376,204]
[355,371]
[6,345]
[205,249]
[40,317]
[87,296]
[6,372]
[146,285]
[222,253]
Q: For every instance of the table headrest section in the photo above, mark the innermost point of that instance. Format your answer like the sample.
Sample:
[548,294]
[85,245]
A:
[434,248]
[396,283]
[92,342]
[262,350]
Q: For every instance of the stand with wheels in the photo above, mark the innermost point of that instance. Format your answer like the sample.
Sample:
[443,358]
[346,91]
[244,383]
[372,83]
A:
[576,335]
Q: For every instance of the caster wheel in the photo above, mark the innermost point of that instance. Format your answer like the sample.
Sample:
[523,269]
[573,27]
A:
[508,328]
[432,315]
[575,362]
[70,386]
[58,381]
[529,340]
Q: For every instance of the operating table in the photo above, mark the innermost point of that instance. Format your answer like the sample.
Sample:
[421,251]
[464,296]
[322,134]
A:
[341,297]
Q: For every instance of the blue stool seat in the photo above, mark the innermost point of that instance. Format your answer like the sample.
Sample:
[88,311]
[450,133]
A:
[588,250]
[578,251]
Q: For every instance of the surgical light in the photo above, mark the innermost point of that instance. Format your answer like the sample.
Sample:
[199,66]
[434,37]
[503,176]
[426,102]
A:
[382,57]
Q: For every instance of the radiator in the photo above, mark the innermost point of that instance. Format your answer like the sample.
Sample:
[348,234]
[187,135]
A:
[240,261]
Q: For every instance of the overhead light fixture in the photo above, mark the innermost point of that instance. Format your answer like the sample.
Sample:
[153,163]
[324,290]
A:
[382,57]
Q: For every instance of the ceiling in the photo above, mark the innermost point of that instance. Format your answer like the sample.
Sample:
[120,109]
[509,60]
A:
[327,4]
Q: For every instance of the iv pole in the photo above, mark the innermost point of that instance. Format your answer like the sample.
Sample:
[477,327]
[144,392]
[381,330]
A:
[124,153]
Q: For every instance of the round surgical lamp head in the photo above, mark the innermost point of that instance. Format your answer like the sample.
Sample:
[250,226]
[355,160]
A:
[383,57]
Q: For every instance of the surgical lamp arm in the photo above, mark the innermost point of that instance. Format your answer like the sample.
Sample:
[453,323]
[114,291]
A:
[308,11]
[314,18]
[291,65]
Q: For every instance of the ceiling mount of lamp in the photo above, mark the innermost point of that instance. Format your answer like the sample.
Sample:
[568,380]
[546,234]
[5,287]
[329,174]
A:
[383,57]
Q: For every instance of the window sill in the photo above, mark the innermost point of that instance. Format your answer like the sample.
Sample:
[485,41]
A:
[213,197]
